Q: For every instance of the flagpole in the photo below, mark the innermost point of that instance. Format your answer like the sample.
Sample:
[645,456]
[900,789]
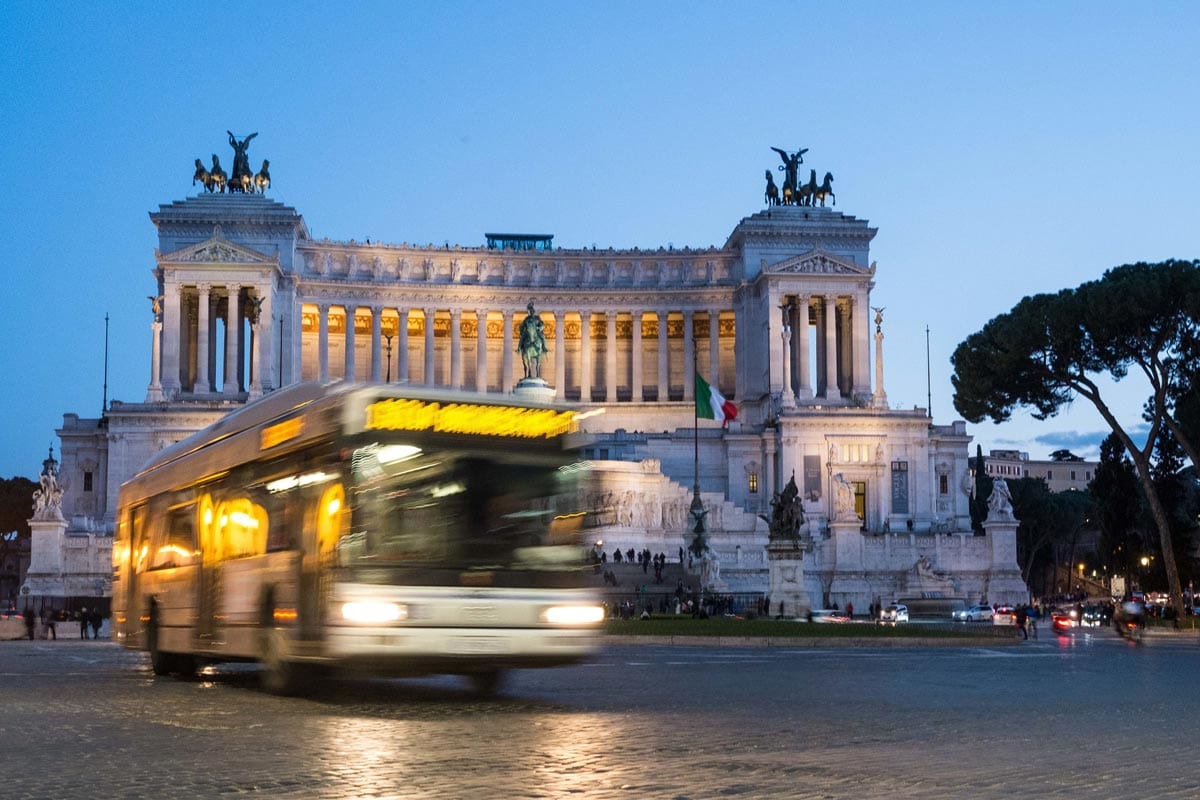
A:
[698,545]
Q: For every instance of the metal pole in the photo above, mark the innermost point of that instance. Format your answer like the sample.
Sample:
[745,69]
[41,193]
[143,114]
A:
[279,385]
[104,400]
[928,385]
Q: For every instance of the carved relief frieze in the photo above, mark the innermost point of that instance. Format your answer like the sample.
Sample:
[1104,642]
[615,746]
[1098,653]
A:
[572,330]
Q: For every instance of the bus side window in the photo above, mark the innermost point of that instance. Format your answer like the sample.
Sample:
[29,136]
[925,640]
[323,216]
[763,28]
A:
[139,540]
[243,528]
[174,541]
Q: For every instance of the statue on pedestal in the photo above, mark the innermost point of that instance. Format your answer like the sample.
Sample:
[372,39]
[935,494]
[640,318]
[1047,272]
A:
[787,513]
[532,343]
[1000,501]
[843,498]
[47,499]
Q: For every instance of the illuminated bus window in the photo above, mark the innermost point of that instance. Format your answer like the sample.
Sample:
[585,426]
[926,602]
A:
[243,528]
[173,543]
[333,519]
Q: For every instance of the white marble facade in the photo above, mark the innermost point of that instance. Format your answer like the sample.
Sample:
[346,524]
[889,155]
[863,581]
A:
[778,318]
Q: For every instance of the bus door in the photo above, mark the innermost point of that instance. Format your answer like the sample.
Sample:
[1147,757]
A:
[208,586]
[129,562]
[324,524]
[170,577]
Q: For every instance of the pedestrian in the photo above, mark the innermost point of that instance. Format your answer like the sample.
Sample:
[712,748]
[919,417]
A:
[82,616]
[849,609]
[1022,617]
[30,621]
[97,619]
[51,627]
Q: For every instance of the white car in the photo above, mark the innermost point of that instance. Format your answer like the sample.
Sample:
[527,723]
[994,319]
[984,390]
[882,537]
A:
[894,614]
[979,613]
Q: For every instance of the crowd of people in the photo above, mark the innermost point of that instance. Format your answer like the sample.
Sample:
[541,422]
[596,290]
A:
[45,624]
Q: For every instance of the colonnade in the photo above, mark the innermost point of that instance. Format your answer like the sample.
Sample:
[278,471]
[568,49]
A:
[208,340]
[835,366]
[594,355]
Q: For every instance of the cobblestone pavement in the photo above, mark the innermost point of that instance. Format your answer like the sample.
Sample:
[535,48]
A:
[1083,717]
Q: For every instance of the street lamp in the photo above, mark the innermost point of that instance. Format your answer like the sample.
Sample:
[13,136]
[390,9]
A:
[389,336]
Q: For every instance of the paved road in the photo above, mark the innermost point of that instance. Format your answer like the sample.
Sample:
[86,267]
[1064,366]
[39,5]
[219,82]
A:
[1090,716]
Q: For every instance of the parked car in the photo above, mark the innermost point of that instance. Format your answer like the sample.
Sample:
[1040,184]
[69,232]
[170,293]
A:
[979,613]
[1004,615]
[894,614]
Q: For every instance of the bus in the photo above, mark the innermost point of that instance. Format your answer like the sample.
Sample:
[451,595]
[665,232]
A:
[360,527]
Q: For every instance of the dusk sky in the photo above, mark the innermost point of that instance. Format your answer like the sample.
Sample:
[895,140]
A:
[1000,149]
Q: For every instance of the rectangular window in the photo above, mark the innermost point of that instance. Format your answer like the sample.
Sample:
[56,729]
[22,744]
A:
[87,481]
[943,484]
[173,542]
[1049,474]
[899,487]
[752,482]
[1072,474]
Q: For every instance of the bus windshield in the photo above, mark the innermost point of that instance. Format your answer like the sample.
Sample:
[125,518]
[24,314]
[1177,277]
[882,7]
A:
[461,510]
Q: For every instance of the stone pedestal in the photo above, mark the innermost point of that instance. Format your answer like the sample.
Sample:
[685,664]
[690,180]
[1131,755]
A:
[1004,583]
[785,561]
[44,578]
[849,584]
[534,390]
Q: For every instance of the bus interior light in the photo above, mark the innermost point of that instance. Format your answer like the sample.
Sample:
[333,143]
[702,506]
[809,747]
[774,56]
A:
[374,612]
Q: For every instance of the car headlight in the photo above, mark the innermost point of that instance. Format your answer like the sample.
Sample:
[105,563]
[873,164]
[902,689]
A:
[374,612]
[573,615]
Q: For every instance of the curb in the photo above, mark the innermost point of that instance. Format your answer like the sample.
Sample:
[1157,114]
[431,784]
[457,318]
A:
[809,642]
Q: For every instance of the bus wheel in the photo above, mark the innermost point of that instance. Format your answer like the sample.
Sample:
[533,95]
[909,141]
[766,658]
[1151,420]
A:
[487,683]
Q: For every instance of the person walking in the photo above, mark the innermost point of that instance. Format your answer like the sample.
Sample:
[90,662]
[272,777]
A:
[96,619]
[83,622]
[1022,618]
[30,621]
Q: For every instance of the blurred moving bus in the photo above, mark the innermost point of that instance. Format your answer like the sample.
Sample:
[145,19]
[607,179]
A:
[366,527]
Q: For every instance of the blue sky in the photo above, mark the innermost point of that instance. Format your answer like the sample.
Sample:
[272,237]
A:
[1001,150]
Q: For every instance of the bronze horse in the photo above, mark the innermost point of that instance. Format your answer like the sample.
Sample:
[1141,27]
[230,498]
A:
[808,190]
[216,177]
[262,181]
[201,175]
[772,195]
[824,190]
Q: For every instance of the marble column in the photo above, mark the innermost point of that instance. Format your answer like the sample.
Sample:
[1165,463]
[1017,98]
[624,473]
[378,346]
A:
[481,353]
[323,342]
[402,346]
[664,358]
[507,348]
[786,397]
[689,356]
[800,332]
[233,332]
[170,340]
[560,355]
[831,370]
[154,394]
[610,356]
[456,365]
[202,385]
[349,369]
[714,348]
[585,356]
[260,377]
[429,361]
[635,355]
[860,321]
[376,344]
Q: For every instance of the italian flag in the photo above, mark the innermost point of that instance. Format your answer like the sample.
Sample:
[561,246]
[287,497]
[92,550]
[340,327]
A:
[711,405]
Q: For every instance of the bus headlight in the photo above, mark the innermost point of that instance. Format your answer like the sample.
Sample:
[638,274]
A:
[374,612]
[573,615]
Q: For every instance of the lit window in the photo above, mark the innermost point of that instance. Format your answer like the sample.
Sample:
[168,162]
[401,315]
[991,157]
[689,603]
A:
[752,482]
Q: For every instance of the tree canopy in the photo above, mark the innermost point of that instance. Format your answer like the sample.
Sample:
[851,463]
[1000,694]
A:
[1051,348]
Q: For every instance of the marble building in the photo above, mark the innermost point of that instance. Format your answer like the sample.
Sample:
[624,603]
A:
[778,318]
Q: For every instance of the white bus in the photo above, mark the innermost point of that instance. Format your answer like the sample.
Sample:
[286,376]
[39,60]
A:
[365,527]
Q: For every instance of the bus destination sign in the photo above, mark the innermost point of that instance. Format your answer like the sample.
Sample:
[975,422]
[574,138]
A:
[468,418]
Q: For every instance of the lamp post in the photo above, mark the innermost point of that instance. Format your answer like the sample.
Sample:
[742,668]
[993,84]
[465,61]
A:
[388,337]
